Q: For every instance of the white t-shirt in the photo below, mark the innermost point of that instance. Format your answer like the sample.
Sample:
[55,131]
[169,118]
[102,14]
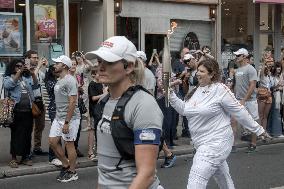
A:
[208,112]
[150,80]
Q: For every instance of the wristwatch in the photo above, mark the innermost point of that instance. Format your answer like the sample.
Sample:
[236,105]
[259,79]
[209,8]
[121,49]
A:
[66,122]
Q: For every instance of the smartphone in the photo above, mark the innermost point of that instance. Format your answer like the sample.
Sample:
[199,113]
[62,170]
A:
[27,63]
[154,51]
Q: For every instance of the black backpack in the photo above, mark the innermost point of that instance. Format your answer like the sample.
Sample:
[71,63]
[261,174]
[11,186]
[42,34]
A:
[122,135]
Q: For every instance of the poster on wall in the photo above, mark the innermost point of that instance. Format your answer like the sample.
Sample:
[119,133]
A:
[45,23]
[7,4]
[11,34]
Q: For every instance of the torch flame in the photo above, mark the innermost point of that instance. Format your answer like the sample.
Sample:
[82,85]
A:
[173,27]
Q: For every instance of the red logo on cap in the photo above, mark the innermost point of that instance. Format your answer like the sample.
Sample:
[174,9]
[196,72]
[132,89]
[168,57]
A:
[107,44]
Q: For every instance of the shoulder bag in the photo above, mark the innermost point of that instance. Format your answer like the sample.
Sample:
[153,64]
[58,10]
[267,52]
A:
[35,109]
[6,110]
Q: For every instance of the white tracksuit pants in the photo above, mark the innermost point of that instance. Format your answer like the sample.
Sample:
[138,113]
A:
[211,161]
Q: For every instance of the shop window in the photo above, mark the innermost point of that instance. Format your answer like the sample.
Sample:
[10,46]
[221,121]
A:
[154,43]
[237,28]
[12,31]
[267,16]
[47,26]
[128,27]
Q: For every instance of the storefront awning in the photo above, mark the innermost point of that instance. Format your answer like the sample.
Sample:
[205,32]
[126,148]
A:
[268,1]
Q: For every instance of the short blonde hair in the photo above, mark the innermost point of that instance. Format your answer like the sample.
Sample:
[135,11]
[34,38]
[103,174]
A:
[137,76]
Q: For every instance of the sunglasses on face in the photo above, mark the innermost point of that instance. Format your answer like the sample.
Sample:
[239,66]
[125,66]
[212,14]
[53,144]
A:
[239,55]
[19,65]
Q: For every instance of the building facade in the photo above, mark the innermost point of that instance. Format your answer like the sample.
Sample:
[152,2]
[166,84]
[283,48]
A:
[54,27]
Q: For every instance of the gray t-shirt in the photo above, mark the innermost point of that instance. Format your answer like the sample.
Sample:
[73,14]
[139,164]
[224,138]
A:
[243,76]
[150,80]
[63,89]
[137,116]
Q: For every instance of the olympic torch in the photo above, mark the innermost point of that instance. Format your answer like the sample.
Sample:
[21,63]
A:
[167,68]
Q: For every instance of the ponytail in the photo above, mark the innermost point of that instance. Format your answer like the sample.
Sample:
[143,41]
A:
[137,76]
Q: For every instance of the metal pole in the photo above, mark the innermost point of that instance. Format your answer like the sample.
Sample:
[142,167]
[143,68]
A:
[218,34]
[28,25]
[66,28]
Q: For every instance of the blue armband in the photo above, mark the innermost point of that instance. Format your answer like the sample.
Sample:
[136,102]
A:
[147,136]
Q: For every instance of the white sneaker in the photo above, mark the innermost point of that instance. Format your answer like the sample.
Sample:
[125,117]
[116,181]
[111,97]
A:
[280,136]
[56,162]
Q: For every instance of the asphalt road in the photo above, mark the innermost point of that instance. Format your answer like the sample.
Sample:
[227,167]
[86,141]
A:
[261,170]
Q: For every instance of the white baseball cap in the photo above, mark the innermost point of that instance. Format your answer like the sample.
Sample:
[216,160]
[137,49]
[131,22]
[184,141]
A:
[242,51]
[63,59]
[187,57]
[142,55]
[114,49]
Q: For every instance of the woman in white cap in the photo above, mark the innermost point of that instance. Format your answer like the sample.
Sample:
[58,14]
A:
[119,70]
[208,108]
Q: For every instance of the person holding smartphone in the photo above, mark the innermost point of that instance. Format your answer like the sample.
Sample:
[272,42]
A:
[38,65]
[154,61]
[19,81]
[83,69]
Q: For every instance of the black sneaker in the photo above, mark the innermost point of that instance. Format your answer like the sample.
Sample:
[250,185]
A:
[169,161]
[185,134]
[251,148]
[234,149]
[63,171]
[165,163]
[79,154]
[39,152]
[69,176]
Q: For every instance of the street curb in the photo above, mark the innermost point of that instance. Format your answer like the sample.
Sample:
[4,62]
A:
[44,167]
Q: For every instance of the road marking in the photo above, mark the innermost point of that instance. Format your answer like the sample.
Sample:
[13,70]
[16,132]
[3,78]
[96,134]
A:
[281,187]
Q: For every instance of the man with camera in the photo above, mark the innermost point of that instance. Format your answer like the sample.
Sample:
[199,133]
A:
[32,59]
[190,71]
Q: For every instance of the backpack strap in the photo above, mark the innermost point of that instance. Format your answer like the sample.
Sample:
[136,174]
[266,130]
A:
[118,117]
[118,113]
[99,109]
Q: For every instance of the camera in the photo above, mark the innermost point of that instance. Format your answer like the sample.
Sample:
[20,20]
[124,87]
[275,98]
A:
[187,61]
[77,54]
[189,69]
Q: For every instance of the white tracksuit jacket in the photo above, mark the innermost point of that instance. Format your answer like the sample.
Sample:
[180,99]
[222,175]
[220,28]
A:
[208,112]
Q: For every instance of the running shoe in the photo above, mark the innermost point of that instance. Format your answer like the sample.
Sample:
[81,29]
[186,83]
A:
[63,171]
[169,161]
[69,176]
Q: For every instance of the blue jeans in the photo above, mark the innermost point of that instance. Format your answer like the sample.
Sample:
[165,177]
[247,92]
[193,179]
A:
[274,125]
[169,122]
